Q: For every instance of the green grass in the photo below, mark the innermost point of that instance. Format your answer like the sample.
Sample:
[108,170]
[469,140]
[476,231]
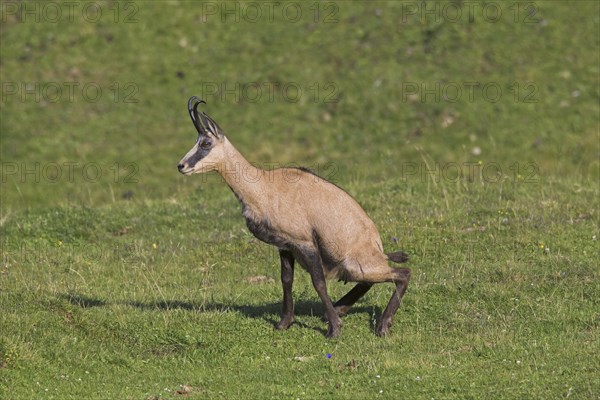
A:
[138,284]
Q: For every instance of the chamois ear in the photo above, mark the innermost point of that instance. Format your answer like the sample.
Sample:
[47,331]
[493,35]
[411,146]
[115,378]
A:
[203,123]
[212,127]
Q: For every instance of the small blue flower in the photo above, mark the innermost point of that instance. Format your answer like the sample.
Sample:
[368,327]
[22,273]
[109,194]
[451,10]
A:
[328,355]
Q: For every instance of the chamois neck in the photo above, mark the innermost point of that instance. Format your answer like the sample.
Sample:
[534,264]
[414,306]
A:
[244,179]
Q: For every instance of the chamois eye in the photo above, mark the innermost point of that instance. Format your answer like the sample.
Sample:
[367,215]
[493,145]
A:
[206,144]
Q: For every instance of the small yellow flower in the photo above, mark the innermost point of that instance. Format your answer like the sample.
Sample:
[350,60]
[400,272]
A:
[154,246]
[541,245]
[59,243]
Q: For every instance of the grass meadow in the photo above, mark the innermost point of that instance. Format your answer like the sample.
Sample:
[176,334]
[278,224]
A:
[468,131]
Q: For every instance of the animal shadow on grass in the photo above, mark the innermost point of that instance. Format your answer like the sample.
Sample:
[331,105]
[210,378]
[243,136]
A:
[268,312]
[83,301]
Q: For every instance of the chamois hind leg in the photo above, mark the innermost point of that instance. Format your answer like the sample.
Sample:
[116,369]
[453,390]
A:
[287,279]
[318,279]
[345,303]
[400,278]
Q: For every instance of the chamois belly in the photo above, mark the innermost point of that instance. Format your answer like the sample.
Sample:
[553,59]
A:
[304,241]
[263,231]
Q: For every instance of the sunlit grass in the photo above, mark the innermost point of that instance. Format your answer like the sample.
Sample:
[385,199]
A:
[142,284]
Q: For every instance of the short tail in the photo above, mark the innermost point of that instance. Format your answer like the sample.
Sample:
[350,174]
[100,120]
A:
[397,257]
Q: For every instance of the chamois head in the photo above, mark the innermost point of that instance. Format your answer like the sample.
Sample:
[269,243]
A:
[208,150]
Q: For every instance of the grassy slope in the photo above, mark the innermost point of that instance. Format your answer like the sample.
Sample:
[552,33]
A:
[104,297]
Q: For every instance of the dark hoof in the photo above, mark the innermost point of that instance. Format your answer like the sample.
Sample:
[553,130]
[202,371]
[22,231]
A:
[333,333]
[382,332]
[284,324]
[335,329]
[383,328]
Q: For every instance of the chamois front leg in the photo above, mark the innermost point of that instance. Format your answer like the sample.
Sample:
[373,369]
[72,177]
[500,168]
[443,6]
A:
[287,279]
[318,279]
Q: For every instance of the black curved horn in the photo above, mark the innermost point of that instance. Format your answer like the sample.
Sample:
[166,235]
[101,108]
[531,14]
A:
[203,123]
[193,104]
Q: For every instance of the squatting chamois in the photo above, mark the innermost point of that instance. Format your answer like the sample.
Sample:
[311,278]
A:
[308,219]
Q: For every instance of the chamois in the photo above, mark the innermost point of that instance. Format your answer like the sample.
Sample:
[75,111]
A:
[309,219]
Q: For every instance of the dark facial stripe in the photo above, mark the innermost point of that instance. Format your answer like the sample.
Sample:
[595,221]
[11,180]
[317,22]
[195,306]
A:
[199,154]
